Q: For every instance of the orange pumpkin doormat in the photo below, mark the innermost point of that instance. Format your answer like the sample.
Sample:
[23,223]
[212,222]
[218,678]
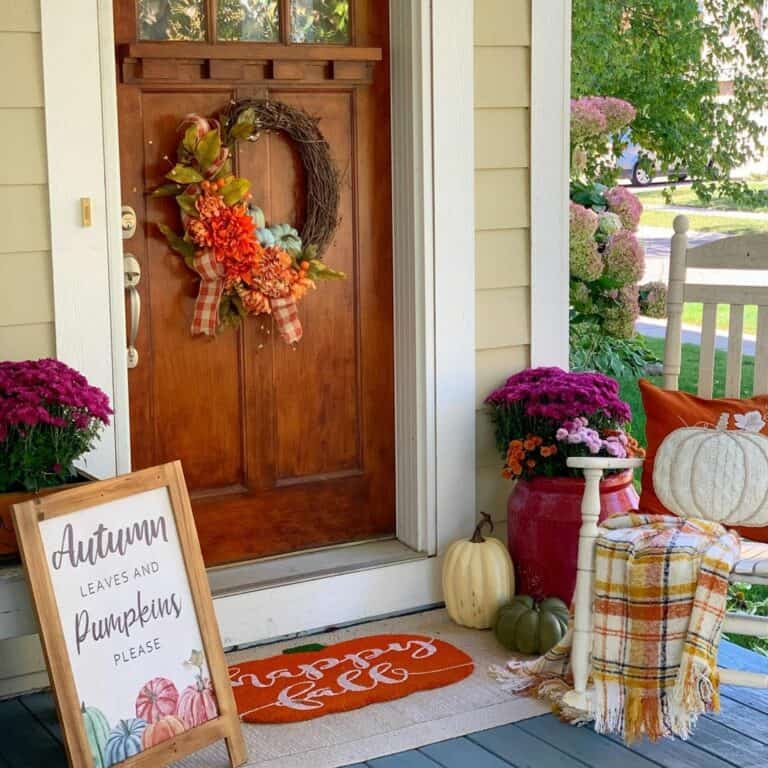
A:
[300,686]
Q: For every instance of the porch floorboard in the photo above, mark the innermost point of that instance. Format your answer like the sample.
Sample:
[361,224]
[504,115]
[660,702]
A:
[738,737]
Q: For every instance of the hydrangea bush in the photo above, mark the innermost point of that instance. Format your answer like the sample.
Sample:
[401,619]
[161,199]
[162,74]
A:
[544,415]
[606,258]
[49,417]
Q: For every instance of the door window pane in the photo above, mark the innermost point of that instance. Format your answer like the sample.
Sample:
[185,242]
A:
[255,20]
[320,21]
[171,19]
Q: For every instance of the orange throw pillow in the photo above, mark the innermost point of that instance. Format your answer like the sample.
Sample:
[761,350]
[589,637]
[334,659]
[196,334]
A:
[667,411]
[300,686]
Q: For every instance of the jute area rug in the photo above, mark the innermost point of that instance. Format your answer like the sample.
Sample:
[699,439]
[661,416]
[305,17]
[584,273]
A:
[475,703]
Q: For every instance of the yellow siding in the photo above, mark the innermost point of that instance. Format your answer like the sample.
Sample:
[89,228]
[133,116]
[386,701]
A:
[26,293]
[502,215]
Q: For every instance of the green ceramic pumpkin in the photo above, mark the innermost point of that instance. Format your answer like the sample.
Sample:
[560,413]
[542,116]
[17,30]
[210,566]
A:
[528,627]
[97,730]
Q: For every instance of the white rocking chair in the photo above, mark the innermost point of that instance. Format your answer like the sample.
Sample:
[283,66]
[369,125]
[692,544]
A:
[748,252]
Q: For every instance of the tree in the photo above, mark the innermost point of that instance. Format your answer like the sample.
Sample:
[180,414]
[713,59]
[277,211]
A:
[667,57]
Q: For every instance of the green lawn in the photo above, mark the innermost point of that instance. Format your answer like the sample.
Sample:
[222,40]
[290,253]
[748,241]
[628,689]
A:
[684,195]
[729,225]
[692,316]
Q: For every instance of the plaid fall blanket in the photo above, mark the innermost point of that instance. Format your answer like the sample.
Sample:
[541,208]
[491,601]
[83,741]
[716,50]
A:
[661,584]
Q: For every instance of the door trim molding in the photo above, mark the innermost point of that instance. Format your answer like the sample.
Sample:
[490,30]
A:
[433,218]
[78,124]
[550,164]
[413,285]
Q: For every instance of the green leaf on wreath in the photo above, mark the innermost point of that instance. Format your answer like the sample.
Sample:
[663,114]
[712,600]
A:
[179,244]
[190,138]
[208,149]
[187,204]
[242,130]
[224,171]
[167,190]
[183,174]
[235,191]
[319,271]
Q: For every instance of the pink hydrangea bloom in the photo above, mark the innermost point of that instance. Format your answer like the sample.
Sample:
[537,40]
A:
[653,299]
[618,113]
[595,115]
[619,320]
[585,260]
[626,205]
[587,119]
[624,258]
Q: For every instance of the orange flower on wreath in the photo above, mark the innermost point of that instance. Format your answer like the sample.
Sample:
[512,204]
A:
[229,231]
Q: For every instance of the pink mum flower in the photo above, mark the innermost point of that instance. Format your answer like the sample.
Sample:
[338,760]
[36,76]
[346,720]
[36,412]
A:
[626,205]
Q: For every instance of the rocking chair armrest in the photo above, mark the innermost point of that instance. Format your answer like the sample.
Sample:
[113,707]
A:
[603,463]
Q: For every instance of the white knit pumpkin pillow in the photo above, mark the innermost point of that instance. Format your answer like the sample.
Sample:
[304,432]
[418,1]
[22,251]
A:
[716,473]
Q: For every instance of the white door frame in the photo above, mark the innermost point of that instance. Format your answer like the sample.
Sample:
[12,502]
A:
[433,223]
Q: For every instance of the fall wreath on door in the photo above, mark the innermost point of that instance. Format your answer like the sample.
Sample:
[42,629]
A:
[246,267]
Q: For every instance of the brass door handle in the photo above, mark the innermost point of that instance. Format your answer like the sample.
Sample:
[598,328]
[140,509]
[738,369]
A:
[132,276]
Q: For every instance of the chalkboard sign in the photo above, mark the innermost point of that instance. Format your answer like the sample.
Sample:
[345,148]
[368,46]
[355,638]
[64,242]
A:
[126,621]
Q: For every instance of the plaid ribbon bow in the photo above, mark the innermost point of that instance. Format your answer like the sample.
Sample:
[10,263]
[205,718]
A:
[287,319]
[206,317]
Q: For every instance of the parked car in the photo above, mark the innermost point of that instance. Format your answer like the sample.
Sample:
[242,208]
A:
[641,165]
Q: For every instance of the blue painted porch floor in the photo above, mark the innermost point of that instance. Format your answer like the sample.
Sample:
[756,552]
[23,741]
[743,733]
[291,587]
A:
[30,738]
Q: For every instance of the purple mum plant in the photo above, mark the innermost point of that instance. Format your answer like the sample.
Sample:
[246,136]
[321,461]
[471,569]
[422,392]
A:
[544,415]
[49,417]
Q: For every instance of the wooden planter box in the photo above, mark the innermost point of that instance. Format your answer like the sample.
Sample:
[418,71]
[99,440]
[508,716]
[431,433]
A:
[9,549]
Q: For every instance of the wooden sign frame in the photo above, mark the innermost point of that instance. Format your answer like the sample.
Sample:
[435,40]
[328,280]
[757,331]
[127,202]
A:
[26,518]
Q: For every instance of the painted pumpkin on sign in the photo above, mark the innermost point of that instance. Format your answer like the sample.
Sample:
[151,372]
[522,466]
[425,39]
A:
[97,732]
[478,578]
[527,627]
[157,698]
[717,474]
[197,703]
[163,729]
[124,741]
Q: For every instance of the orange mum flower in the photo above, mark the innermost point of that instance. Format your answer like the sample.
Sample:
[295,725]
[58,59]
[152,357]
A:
[548,450]
[273,275]
[532,442]
[515,450]
[209,206]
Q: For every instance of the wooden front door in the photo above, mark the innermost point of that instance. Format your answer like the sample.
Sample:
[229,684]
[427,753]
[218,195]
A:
[283,449]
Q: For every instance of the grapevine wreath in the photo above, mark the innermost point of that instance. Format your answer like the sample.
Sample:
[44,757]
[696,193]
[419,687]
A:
[245,267]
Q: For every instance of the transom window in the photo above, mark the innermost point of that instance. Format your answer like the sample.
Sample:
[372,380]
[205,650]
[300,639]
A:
[264,21]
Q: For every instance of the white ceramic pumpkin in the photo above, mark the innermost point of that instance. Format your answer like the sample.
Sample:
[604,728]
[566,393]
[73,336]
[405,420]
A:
[477,578]
[716,474]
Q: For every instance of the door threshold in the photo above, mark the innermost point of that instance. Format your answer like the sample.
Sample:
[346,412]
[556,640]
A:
[17,616]
[226,580]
